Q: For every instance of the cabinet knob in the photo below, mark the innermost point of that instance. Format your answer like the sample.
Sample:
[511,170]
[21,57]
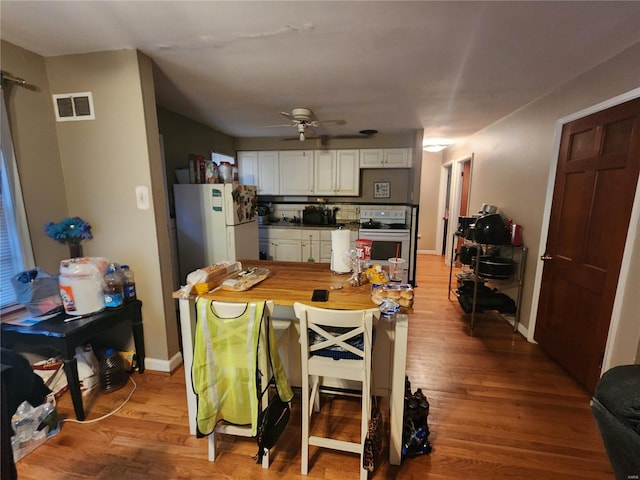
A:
[546,257]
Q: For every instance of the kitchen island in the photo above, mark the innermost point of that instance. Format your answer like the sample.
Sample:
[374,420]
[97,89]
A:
[292,282]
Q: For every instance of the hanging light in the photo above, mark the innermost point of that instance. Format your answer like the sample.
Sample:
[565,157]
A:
[301,127]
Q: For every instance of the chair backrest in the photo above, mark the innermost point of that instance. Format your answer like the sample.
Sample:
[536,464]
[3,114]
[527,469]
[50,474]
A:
[341,334]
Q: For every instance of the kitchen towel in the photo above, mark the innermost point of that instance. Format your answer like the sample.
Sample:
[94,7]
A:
[340,246]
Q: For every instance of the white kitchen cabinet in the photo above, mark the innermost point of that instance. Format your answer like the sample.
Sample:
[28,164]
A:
[310,242]
[287,250]
[386,157]
[337,172]
[260,169]
[281,244]
[248,168]
[296,172]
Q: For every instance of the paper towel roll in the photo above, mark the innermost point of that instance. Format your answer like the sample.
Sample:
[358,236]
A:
[340,246]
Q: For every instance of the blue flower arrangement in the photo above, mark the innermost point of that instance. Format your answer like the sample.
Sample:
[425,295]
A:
[69,230]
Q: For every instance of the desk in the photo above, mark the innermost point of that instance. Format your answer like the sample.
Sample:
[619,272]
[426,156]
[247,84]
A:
[294,282]
[66,336]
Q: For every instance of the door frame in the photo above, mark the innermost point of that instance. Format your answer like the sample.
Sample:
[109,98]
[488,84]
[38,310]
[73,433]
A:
[455,193]
[629,349]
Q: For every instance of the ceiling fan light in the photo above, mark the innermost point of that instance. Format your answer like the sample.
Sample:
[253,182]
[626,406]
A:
[302,136]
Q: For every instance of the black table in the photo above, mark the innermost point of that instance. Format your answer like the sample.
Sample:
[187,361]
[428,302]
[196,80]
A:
[66,336]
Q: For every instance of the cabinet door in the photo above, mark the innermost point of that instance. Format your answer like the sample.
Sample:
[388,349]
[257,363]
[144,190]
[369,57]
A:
[397,157]
[324,169]
[325,251]
[372,158]
[287,250]
[347,172]
[310,250]
[296,172]
[268,177]
[248,168]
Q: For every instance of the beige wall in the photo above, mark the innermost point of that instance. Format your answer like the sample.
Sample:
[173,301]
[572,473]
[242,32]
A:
[103,161]
[429,220]
[30,110]
[91,168]
[512,158]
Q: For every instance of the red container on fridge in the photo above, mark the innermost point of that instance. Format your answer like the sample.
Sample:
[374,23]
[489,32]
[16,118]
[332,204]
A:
[363,248]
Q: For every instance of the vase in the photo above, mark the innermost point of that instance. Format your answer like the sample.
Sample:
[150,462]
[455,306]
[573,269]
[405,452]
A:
[75,250]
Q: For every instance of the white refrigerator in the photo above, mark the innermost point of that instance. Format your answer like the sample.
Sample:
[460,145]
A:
[215,222]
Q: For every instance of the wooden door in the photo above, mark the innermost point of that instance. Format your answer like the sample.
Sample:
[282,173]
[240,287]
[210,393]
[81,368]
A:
[595,184]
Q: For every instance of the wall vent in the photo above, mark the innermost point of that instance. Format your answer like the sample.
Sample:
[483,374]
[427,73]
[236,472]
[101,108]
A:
[71,107]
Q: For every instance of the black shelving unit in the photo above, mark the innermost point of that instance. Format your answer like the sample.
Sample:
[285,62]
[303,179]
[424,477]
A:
[486,286]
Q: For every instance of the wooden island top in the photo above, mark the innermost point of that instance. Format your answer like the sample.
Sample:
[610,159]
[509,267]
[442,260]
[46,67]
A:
[292,282]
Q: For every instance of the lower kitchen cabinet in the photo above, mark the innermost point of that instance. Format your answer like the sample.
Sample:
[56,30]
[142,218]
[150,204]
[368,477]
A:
[281,244]
[291,244]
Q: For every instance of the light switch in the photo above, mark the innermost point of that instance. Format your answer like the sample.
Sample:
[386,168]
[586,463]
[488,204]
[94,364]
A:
[142,197]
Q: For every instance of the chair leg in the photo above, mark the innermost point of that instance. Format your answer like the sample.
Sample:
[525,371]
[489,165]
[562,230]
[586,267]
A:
[364,430]
[211,440]
[265,458]
[304,454]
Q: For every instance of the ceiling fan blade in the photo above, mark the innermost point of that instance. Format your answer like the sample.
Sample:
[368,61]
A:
[330,122]
[280,125]
[288,115]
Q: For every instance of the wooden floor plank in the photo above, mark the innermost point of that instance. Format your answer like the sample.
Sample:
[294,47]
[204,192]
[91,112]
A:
[499,409]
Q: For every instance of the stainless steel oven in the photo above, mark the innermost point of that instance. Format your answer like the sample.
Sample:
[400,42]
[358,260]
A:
[390,237]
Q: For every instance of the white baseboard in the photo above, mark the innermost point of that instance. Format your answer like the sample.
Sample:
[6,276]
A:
[163,365]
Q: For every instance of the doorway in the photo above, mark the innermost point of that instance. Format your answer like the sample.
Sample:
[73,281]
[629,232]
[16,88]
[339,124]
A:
[455,192]
[593,196]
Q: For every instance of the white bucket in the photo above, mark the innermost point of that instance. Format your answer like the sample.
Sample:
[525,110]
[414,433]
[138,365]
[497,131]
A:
[81,284]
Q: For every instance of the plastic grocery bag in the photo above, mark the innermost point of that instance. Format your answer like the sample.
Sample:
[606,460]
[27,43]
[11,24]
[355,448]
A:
[38,291]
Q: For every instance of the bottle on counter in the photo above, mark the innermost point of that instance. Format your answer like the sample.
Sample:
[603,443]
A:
[128,283]
[113,290]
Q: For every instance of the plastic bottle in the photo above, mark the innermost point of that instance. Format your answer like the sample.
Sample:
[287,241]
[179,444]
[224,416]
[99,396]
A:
[112,374]
[113,291]
[128,283]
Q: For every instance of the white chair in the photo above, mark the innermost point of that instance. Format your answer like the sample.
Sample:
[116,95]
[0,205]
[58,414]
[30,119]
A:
[331,329]
[239,334]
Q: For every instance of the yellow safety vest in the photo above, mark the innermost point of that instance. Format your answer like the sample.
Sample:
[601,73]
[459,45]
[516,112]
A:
[224,367]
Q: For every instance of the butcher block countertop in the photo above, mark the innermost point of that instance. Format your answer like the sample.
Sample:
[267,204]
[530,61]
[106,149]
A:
[292,282]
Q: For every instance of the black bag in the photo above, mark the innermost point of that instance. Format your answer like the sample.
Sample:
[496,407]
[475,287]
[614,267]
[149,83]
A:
[271,423]
[273,419]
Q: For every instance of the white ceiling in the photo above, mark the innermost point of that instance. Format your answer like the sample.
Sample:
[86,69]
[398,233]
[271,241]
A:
[451,68]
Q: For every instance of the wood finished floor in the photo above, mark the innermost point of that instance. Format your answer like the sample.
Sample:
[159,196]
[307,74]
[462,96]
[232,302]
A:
[500,409]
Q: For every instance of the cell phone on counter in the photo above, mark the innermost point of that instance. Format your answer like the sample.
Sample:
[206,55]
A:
[320,295]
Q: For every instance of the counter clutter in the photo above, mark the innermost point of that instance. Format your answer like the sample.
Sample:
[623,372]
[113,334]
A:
[391,297]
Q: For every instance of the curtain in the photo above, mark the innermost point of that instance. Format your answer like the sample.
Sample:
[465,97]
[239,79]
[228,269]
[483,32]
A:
[16,253]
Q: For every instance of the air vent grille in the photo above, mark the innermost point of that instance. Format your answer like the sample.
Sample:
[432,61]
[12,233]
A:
[73,106]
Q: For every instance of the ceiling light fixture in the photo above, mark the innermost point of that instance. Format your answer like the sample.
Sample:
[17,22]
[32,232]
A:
[435,148]
[435,145]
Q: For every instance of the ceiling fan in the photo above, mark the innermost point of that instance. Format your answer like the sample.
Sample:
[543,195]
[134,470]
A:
[303,120]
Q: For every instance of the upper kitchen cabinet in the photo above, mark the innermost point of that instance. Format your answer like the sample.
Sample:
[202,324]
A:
[260,169]
[296,172]
[386,157]
[337,172]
